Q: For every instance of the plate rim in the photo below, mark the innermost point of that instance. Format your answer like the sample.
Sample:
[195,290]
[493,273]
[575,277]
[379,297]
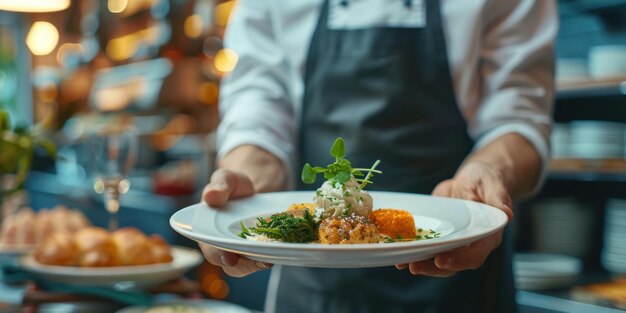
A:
[185,231]
[30,264]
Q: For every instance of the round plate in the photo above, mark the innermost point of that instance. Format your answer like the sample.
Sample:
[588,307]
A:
[12,251]
[120,277]
[191,306]
[460,222]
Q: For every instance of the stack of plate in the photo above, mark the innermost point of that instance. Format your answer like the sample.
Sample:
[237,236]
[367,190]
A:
[534,271]
[563,226]
[560,141]
[571,70]
[596,140]
[614,249]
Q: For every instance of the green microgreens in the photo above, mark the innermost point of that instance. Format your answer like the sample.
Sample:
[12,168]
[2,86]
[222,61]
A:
[285,227]
[341,170]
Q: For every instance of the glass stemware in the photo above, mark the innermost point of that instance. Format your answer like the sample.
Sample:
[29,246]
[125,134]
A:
[114,155]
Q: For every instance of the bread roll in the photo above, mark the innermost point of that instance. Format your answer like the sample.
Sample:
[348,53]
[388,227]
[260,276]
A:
[26,227]
[160,250]
[58,249]
[96,248]
[132,246]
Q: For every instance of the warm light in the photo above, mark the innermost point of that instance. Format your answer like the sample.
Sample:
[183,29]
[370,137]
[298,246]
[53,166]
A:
[34,6]
[208,93]
[98,186]
[218,289]
[226,60]
[124,47]
[193,26]
[42,38]
[117,6]
[222,12]
[66,48]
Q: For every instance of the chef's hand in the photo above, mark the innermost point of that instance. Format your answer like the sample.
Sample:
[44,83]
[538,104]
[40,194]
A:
[226,185]
[476,181]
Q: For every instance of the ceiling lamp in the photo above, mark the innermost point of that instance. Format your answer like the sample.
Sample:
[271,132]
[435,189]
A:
[34,6]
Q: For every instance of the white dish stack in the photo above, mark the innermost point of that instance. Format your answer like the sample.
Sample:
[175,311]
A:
[614,248]
[607,62]
[562,226]
[535,271]
[596,140]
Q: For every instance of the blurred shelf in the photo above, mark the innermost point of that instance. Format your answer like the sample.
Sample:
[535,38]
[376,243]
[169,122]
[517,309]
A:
[587,176]
[607,170]
[540,302]
[594,6]
[592,89]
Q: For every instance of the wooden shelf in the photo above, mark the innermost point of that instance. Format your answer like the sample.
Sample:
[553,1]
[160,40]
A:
[605,170]
[592,89]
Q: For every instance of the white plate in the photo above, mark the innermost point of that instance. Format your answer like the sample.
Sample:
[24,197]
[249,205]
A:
[460,222]
[120,277]
[545,265]
[541,283]
[198,306]
[13,251]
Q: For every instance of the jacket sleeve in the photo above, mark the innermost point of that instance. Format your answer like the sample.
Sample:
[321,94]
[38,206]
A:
[517,71]
[255,98]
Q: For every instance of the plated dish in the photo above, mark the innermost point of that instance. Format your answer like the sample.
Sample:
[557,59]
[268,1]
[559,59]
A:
[456,223]
[341,211]
[120,277]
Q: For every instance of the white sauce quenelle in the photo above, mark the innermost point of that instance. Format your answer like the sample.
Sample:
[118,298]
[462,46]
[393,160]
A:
[338,199]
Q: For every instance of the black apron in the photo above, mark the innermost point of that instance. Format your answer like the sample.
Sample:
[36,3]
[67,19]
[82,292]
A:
[388,92]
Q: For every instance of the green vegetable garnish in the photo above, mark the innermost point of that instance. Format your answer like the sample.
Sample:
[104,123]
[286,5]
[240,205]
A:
[285,227]
[245,232]
[341,170]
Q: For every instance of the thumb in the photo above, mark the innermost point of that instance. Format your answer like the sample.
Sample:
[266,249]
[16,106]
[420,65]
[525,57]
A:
[495,194]
[443,189]
[226,185]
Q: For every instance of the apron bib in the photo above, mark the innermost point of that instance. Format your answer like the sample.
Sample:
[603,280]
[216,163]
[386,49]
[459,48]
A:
[388,92]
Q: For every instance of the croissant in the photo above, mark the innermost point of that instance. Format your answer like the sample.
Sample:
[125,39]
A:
[59,249]
[96,247]
[26,227]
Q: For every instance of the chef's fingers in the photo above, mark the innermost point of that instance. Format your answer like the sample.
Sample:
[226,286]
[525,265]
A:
[232,264]
[428,268]
[245,267]
[402,266]
[469,257]
[443,189]
[494,193]
[226,185]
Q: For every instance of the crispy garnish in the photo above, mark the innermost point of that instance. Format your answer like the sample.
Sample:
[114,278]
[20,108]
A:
[394,223]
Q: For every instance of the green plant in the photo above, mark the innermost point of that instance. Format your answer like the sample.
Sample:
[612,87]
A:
[17,146]
[341,170]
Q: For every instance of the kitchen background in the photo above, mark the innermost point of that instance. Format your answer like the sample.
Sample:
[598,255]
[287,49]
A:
[154,66]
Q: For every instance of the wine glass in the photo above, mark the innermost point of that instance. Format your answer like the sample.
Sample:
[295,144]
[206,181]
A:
[114,153]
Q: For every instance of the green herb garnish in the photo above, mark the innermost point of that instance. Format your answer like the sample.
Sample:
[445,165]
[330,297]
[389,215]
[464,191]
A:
[245,232]
[285,227]
[341,170]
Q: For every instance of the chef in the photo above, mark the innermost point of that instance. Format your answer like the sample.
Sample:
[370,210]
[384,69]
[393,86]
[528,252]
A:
[453,96]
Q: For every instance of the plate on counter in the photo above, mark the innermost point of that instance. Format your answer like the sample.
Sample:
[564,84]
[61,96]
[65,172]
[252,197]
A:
[459,223]
[120,277]
[13,251]
[188,306]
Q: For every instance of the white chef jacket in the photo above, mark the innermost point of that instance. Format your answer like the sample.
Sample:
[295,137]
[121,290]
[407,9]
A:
[500,55]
